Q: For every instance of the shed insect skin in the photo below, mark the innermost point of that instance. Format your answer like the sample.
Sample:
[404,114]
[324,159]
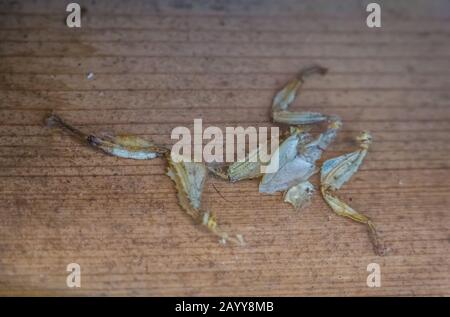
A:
[125,146]
[300,153]
[189,185]
[189,179]
[331,180]
[338,171]
[286,96]
[299,195]
[248,169]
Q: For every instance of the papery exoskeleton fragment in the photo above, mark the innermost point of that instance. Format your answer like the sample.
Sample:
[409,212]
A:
[335,173]
[248,169]
[295,161]
[284,155]
[298,118]
[218,169]
[297,155]
[286,96]
[189,179]
[255,162]
[125,146]
[296,158]
[299,195]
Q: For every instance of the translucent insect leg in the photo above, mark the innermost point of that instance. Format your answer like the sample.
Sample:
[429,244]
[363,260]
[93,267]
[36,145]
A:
[286,96]
[189,179]
[335,173]
[124,146]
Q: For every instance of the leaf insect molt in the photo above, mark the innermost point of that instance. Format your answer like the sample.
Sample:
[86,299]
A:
[189,177]
[295,159]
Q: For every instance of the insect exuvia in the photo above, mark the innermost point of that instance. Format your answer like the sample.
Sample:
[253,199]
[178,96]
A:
[296,158]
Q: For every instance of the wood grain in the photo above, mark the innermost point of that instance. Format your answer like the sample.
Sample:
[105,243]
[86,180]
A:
[161,64]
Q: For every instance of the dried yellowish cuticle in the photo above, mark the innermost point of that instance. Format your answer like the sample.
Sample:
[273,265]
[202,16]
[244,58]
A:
[250,168]
[218,169]
[127,146]
[338,171]
[189,179]
[124,146]
[286,96]
[301,118]
[209,221]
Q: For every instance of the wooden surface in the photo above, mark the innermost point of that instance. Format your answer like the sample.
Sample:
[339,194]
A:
[160,65]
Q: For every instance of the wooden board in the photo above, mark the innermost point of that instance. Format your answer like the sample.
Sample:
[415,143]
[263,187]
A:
[158,65]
